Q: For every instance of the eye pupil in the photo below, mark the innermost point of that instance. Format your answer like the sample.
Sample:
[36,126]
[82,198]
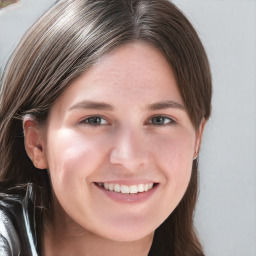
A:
[158,120]
[94,120]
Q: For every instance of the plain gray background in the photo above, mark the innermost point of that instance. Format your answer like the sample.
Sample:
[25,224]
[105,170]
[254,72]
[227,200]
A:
[226,212]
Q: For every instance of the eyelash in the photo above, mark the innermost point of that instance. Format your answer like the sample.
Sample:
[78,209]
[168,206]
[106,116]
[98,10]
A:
[164,121]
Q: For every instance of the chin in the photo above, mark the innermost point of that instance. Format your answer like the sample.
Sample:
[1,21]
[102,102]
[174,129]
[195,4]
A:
[127,235]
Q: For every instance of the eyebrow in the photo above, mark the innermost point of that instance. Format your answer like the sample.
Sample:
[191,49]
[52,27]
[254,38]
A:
[92,105]
[88,104]
[164,105]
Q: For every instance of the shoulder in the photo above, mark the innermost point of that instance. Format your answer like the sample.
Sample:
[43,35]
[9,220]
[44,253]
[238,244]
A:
[17,237]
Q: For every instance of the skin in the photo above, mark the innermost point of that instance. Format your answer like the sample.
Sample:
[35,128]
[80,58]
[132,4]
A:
[128,145]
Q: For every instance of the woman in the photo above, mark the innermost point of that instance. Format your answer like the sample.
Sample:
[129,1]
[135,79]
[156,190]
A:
[103,107]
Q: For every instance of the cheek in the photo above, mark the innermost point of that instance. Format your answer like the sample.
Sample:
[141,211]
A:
[174,158]
[175,151]
[72,157]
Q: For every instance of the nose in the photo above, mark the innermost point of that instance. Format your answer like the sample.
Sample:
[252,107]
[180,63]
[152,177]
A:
[129,149]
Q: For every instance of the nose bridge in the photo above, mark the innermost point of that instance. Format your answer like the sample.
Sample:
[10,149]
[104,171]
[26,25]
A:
[129,149]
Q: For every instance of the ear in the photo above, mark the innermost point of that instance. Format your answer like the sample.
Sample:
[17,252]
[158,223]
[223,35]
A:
[199,134]
[34,142]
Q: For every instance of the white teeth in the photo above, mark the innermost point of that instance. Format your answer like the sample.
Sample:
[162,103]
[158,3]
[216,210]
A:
[141,187]
[134,189]
[110,186]
[125,189]
[117,188]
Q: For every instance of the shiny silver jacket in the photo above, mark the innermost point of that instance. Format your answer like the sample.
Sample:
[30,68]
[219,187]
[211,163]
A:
[17,225]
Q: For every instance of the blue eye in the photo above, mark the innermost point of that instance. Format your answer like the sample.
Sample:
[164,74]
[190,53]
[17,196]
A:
[161,120]
[95,121]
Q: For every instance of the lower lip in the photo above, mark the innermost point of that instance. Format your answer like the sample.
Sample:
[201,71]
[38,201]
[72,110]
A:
[128,198]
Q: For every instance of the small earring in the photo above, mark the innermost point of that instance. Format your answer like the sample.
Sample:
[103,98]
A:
[196,155]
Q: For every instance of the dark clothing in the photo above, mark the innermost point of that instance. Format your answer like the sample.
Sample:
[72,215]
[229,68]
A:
[17,225]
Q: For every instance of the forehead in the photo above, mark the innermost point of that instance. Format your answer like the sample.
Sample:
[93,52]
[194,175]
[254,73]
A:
[134,73]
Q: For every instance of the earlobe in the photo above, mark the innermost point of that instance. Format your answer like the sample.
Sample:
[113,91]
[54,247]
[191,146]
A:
[199,135]
[34,143]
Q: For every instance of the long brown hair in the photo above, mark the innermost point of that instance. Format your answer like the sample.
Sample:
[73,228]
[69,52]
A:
[69,39]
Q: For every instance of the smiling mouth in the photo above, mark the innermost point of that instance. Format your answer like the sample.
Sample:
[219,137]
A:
[125,189]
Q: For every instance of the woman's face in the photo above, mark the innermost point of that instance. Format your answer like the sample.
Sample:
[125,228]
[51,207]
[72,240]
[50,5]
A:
[122,125]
